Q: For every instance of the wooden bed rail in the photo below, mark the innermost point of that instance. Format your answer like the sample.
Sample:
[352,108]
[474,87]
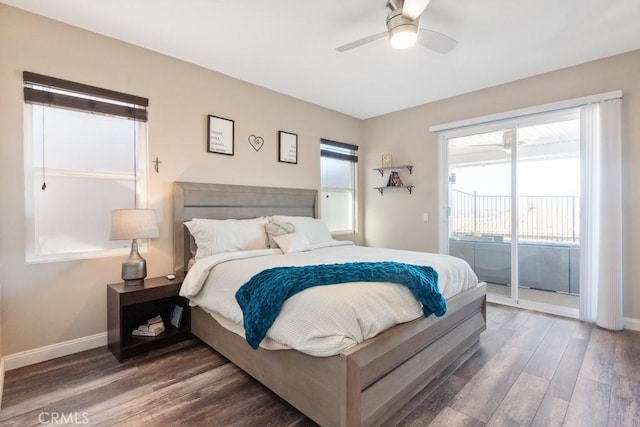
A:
[368,382]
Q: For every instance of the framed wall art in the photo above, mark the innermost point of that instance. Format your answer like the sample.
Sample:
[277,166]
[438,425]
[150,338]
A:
[220,135]
[288,147]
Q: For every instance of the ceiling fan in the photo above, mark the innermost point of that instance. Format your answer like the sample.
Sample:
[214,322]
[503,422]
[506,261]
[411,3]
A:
[403,29]
[507,142]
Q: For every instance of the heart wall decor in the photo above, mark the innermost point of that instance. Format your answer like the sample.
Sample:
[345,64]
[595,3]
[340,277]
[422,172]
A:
[256,142]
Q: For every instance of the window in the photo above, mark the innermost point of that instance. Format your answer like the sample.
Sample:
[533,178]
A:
[338,185]
[84,157]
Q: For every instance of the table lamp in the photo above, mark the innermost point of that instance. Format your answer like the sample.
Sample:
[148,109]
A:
[133,224]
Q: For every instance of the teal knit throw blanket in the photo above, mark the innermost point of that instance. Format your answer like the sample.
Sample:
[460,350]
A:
[261,298]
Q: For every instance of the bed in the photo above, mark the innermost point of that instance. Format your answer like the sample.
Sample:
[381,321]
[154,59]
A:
[363,384]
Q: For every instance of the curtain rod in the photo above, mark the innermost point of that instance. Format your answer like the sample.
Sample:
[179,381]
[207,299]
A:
[544,108]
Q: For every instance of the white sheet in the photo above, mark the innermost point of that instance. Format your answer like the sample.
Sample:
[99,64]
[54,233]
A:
[323,320]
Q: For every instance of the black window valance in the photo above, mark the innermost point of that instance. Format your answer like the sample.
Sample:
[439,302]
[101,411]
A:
[338,150]
[55,92]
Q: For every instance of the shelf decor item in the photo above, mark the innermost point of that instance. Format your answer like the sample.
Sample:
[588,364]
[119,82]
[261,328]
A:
[134,224]
[395,180]
[175,315]
[387,160]
[220,135]
[288,147]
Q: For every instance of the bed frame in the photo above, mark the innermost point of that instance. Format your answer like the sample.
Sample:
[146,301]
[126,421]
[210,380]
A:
[363,385]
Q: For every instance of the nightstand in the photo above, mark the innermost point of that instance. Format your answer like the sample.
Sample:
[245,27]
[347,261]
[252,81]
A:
[130,306]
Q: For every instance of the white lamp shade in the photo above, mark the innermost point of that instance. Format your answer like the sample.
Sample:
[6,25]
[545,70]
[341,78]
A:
[129,224]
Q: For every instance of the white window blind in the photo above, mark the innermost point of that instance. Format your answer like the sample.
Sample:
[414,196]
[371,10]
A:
[84,152]
[338,185]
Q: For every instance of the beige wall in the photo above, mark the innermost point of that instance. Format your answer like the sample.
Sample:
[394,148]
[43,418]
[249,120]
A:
[49,303]
[395,219]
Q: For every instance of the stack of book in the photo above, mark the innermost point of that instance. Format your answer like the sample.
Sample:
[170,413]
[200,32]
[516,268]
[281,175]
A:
[153,327]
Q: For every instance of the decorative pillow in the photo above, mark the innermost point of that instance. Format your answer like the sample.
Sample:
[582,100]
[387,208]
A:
[274,230]
[315,230]
[292,242]
[215,236]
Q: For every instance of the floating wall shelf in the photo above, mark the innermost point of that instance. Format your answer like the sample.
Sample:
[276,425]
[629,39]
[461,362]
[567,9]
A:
[381,170]
[394,169]
[381,189]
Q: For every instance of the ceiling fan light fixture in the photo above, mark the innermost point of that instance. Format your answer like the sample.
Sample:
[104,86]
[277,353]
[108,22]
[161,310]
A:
[403,32]
[403,37]
[403,28]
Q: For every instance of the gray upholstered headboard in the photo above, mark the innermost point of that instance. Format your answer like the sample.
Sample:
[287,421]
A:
[220,201]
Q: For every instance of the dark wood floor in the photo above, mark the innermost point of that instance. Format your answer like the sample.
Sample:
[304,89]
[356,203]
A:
[530,369]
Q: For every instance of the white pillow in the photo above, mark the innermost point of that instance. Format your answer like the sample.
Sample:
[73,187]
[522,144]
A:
[214,236]
[274,229]
[315,230]
[292,242]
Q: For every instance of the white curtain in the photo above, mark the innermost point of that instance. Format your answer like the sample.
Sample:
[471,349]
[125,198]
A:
[601,221]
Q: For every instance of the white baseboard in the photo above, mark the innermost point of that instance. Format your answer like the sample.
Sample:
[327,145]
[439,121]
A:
[42,354]
[628,322]
[535,306]
[632,324]
[1,379]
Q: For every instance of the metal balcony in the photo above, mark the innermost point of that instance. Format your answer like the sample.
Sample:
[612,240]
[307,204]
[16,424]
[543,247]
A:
[548,236]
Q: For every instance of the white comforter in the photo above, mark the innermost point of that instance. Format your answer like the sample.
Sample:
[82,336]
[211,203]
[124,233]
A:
[323,320]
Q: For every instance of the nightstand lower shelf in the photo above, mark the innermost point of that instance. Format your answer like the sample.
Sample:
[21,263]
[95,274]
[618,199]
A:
[134,345]
[128,307]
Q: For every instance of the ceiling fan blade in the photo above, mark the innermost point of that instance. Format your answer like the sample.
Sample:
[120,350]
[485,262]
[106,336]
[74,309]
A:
[436,41]
[361,42]
[413,8]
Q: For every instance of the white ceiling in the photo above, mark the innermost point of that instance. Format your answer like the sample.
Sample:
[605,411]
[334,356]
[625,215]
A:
[289,45]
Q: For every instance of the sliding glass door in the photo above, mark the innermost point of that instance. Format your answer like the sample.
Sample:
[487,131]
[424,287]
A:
[513,207]
[548,227]
[480,220]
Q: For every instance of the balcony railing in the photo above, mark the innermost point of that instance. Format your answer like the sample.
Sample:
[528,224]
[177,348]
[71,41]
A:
[541,218]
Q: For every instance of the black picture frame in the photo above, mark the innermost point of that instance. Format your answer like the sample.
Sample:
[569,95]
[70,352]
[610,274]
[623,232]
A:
[287,147]
[220,135]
